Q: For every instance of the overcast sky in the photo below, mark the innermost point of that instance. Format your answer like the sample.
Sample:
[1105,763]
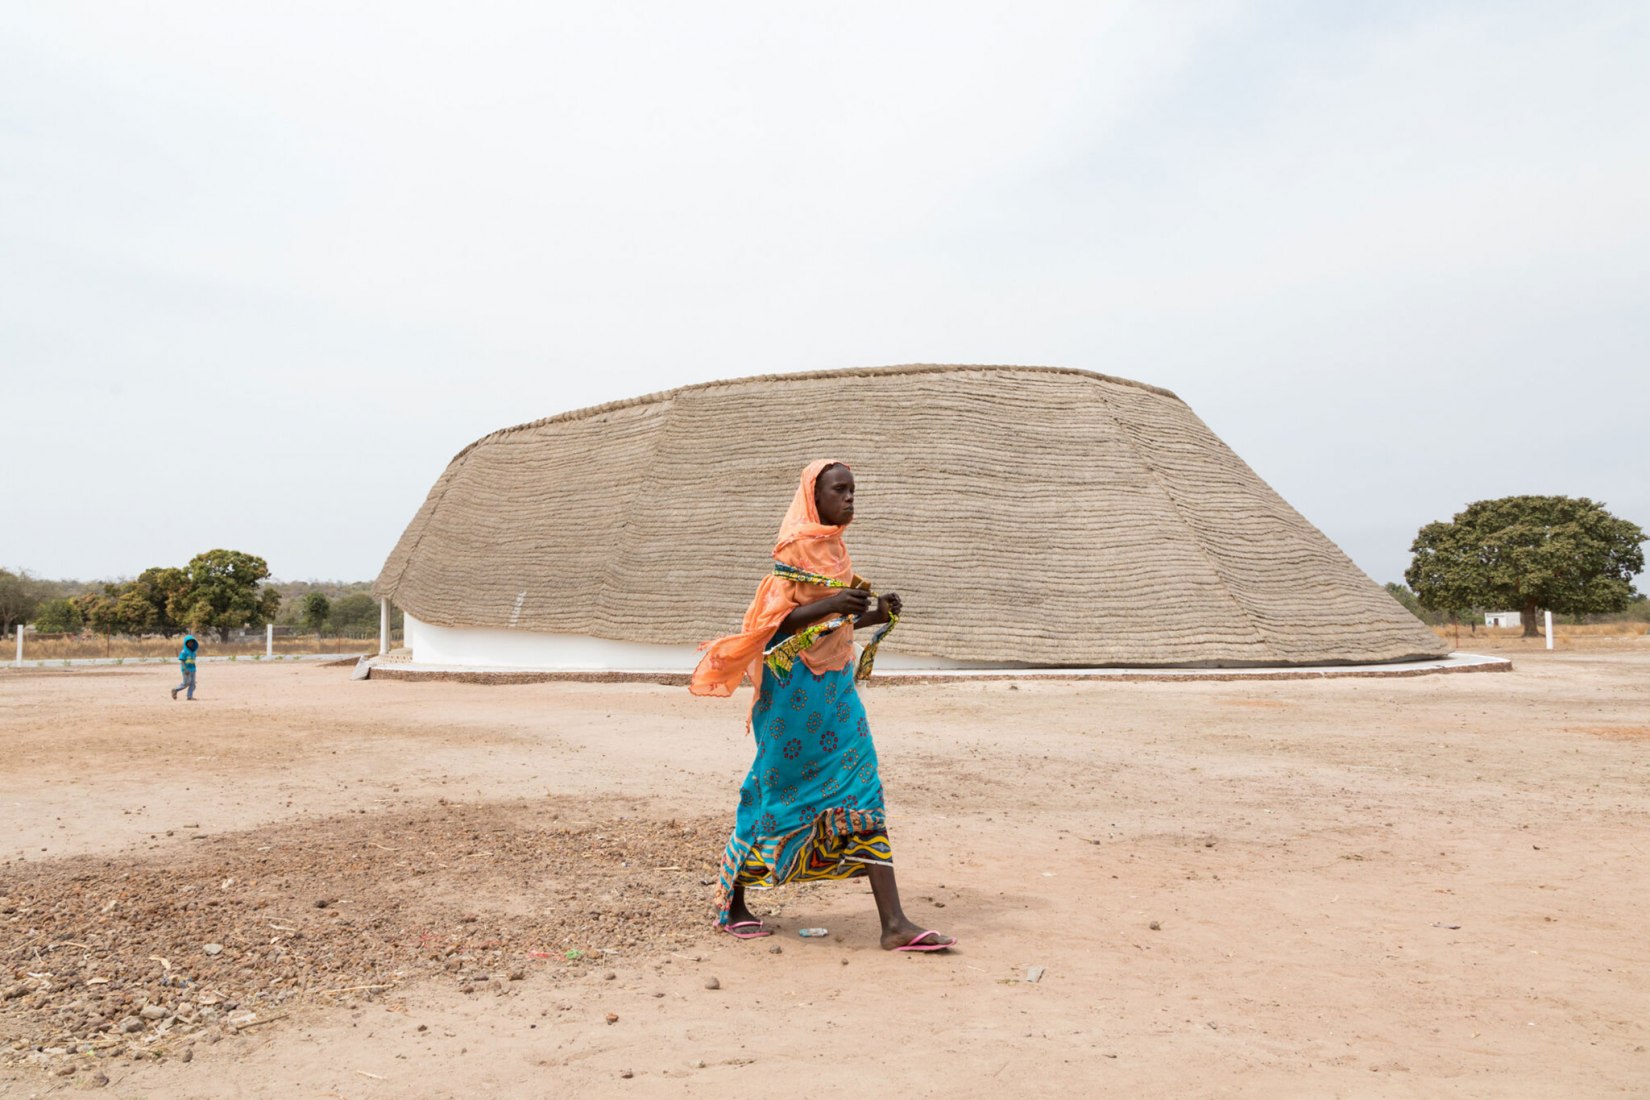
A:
[265,268]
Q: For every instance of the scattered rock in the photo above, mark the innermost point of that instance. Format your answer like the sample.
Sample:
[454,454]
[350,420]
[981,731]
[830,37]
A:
[153,1012]
[1156,926]
[519,974]
[213,949]
[609,976]
[612,1017]
[98,1080]
[322,903]
[776,950]
[626,1074]
[188,1055]
[712,983]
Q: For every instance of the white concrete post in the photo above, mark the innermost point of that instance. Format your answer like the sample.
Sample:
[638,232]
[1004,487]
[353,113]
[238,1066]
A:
[383,625]
[269,639]
[20,629]
[1549,630]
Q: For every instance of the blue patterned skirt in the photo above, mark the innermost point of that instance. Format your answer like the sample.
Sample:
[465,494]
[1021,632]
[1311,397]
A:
[811,807]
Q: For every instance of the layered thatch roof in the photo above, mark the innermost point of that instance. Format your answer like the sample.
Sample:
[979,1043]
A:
[1025,514]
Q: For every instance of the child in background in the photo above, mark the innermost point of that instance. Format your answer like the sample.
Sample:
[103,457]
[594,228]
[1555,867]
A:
[186,658]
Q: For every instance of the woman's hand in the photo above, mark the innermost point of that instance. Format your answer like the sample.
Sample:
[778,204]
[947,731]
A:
[887,604]
[849,601]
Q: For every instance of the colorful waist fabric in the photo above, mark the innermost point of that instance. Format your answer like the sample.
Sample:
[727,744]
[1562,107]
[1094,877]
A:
[782,656]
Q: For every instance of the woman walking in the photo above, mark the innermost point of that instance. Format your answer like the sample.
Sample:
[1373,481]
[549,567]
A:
[811,808]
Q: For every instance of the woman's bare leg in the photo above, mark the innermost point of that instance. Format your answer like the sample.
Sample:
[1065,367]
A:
[897,929]
[738,911]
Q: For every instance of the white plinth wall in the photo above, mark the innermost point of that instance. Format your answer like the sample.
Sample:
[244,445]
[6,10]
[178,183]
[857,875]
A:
[490,647]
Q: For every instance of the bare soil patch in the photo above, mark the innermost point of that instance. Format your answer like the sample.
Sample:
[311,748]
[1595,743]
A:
[141,955]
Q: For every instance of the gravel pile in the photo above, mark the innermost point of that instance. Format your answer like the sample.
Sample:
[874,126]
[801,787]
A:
[141,956]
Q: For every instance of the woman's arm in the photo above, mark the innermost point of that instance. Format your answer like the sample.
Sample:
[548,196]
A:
[849,601]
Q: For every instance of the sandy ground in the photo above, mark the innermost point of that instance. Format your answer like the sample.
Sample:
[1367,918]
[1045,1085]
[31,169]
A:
[1411,887]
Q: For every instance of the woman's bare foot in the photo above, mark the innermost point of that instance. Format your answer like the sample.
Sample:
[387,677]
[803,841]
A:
[913,937]
[739,913]
[898,933]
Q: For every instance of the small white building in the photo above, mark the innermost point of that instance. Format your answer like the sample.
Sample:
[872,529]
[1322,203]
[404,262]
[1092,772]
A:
[1503,618]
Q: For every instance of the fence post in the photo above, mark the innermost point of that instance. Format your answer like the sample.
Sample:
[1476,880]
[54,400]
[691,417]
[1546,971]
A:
[20,628]
[383,625]
[1549,629]
[269,639]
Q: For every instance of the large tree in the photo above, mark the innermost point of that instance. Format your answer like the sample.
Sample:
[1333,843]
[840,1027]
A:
[317,609]
[18,596]
[57,616]
[157,586]
[355,615]
[1563,554]
[223,593]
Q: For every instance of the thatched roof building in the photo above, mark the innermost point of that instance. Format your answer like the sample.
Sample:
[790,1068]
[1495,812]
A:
[1027,515]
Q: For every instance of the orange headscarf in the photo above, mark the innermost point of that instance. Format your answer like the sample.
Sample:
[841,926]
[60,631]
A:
[808,544]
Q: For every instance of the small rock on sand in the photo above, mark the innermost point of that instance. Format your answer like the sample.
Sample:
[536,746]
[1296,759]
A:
[712,983]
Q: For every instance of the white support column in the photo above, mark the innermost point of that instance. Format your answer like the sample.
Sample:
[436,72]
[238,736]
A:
[1549,629]
[20,629]
[383,625]
[269,639]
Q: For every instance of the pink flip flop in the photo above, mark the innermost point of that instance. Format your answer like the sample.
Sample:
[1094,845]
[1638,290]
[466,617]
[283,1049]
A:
[733,930]
[916,943]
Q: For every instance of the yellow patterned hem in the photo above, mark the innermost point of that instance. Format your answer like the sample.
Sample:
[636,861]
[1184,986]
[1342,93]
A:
[827,858]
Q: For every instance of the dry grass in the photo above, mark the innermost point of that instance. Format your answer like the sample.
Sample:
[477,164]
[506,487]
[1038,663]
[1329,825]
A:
[76,648]
[1591,636]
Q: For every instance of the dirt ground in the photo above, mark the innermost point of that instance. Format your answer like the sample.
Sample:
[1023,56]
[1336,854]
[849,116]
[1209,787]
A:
[302,885]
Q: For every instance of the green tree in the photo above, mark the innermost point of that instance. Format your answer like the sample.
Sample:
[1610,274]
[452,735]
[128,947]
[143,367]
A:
[134,614]
[1528,553]
[57,616]
[317,609]
[355,615]
[158,586]
[223,593]
[19,595]
[97,611]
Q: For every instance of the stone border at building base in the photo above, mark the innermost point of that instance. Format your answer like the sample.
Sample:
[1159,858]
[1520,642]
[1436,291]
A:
[1455,662]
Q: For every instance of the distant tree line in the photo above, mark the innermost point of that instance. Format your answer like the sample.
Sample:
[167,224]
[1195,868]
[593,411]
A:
[219,590]
[338,608]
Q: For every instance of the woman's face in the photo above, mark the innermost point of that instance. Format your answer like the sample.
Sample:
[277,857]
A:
[834,495]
